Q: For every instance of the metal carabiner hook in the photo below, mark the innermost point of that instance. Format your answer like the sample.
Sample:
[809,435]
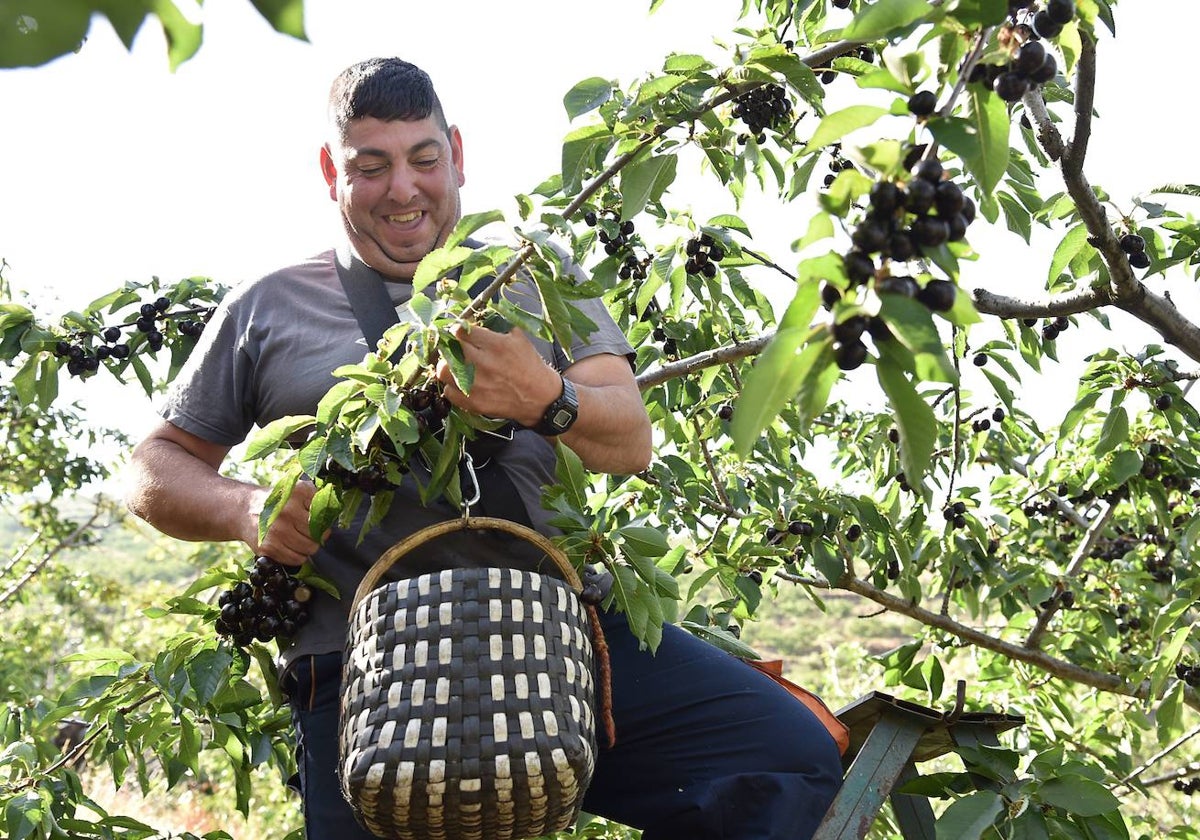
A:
[469,464]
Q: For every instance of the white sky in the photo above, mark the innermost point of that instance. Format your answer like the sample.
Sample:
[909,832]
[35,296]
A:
[115,169]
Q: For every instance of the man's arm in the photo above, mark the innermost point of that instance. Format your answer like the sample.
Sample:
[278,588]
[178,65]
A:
[176,486]
[612,432]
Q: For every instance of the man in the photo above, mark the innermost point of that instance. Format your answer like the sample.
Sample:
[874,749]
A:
[706,746]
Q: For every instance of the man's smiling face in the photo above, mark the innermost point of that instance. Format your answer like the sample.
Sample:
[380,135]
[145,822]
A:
[396,183]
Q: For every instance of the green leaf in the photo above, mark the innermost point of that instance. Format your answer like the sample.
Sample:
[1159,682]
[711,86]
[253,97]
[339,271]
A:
[324,511]
[729,221]
[437,264]
[723,639]
[1081,410]
[285,16]
[555,309]
[469,224]
[1078,795]
[969,817]
[981,142]
[281,491]
[275,434]
[770,384]
[884,17]
[1114,432]
[572,477]
[648,542]
[644,181]
[207,672]
[183,36]
[1124,466]
[23,815]
[912,323]
[1164,669]
[1068,248]
[820,227]
[24,381]
[815,388]
[837,125]
[587,95]
[914,418]
[655,89]
[798,74]
[34,34]
[581,151]
[980,13]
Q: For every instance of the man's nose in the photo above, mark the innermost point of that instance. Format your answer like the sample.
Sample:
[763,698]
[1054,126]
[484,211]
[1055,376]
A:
[402,187]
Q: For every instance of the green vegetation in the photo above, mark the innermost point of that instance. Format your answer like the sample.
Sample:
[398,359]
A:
[832,482]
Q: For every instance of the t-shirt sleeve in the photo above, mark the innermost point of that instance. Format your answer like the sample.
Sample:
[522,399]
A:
[209,397]
[607,337]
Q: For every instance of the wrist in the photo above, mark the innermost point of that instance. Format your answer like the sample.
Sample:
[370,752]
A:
[560,413]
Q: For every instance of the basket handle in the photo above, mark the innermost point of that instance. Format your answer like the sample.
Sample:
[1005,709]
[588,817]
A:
[465,523]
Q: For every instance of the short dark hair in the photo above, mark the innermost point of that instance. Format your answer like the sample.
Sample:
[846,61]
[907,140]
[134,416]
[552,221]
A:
[384,88]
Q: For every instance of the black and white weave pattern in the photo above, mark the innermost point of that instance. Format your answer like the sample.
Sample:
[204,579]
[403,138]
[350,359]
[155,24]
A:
[467,707]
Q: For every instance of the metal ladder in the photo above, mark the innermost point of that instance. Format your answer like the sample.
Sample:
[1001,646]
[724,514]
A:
[888,738]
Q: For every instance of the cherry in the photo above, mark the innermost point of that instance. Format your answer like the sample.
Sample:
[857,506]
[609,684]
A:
[850,355]
[922,103]
[938,295]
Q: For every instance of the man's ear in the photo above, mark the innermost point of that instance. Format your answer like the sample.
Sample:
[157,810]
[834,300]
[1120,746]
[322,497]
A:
[456,153]
[329,170]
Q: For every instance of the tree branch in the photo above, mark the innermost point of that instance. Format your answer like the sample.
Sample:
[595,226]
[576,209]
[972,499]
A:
[67,542]
[1060,668]
[1082,551]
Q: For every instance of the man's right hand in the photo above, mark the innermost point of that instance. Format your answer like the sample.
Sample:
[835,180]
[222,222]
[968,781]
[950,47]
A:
[288,541]
[176,486]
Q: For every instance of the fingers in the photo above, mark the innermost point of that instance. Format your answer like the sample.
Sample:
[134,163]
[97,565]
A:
[288,540]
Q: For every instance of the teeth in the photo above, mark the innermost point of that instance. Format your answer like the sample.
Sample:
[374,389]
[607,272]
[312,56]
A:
[405,217]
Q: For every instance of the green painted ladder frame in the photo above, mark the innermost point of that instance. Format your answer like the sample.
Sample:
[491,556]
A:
[888,738]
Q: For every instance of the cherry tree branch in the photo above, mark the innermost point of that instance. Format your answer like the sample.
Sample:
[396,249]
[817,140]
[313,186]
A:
[31,572]
[1110,683]
[1123,290]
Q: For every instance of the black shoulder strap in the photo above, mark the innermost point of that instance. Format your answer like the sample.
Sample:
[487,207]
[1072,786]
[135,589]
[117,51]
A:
[369,298]
[368,294]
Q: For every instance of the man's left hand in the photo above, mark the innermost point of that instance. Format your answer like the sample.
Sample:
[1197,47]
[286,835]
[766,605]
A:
[512,381]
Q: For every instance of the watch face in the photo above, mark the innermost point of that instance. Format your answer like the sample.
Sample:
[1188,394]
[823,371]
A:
[562,418]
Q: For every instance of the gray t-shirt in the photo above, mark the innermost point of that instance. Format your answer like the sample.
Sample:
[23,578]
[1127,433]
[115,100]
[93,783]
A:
[268,352]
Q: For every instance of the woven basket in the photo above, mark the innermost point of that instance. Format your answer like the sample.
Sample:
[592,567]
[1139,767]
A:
[467,698]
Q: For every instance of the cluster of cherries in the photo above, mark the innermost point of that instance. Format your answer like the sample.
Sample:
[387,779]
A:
[271,603]
[612,242]
[956,514]
[703,253]
[1032,65]
[1134,247]
[1189,673]
[1188,786]
[1052,328]
[387,465]
[1047,22]
[634,267]
[760,108]
[902,222]
[983,424]
[83,358]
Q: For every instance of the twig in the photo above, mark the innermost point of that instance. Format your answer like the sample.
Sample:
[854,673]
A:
[718,481]
[1152,760]
[37,566]
[1082,551]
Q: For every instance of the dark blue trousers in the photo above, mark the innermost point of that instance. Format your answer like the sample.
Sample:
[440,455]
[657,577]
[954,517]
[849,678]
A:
[707,748]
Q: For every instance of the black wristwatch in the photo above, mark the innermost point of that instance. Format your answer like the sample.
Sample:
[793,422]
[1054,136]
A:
[561,413]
